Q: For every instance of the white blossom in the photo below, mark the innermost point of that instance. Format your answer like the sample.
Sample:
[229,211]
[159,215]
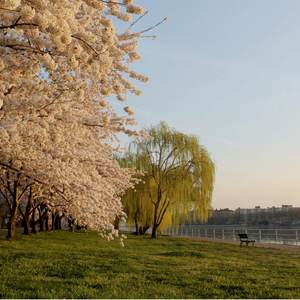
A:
[63,60]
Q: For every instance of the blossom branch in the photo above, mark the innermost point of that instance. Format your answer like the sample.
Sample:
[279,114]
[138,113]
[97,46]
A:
[75,37]
[16,24]
[133,23]
[19,172]
[152,27]
[48,104]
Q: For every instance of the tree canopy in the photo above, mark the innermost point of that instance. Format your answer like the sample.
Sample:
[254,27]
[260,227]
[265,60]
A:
[59,61]
[177,179]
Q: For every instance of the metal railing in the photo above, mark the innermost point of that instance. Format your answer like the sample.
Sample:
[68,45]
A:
[277,236]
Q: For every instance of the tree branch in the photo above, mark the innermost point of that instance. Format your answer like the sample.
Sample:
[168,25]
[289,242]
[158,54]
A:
[18,171]
[78,38]
[48,104]
[15,25]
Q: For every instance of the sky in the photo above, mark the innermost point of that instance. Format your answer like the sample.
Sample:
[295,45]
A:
[229,72]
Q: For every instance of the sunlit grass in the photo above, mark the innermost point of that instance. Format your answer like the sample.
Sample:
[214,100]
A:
[65,265]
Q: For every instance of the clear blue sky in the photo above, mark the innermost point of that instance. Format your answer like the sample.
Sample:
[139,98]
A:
[229,71]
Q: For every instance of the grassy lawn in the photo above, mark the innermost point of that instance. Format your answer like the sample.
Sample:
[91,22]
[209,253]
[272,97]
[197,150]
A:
[79,265]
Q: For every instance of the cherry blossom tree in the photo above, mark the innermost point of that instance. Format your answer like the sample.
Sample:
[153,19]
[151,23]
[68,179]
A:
[59,61]
[74,44]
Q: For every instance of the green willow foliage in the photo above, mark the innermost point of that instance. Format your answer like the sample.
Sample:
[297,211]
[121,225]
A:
[178,177]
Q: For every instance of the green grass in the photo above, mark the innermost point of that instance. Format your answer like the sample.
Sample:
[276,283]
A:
[65,265]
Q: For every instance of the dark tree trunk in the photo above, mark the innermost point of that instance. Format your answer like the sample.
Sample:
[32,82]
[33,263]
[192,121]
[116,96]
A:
[47,223]
[42,217]
[27,226]
[27,214]
[3,223]
[42,225]
[58,223]
[13,213]
[159,214]
[13,197]
[40,220]
[34,223]
[154,231]
[11,226]
[137,226]
[117,223]
[155,223]
[53,221]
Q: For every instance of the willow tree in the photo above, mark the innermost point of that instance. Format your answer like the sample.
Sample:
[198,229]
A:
[136,202]
[178,177]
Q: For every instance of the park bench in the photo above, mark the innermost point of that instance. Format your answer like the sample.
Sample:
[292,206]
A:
[244,239]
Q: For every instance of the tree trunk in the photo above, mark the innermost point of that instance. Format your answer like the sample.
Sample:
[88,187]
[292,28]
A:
[26,226]
[154,231]
[41,220]
[137,227]
[3,223]
[13,213]
[47,222]
[42,225]
[11,226]
[117,223]
[53,222]
[34,223]
[58,222]
[155,223]
[27,214]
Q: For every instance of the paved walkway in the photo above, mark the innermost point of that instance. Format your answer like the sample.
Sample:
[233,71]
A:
[256,245]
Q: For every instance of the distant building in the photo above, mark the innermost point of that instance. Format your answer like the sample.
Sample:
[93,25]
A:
[272,209]
[286,214]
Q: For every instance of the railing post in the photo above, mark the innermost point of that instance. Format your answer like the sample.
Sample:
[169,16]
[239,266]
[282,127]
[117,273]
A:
[273,235]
